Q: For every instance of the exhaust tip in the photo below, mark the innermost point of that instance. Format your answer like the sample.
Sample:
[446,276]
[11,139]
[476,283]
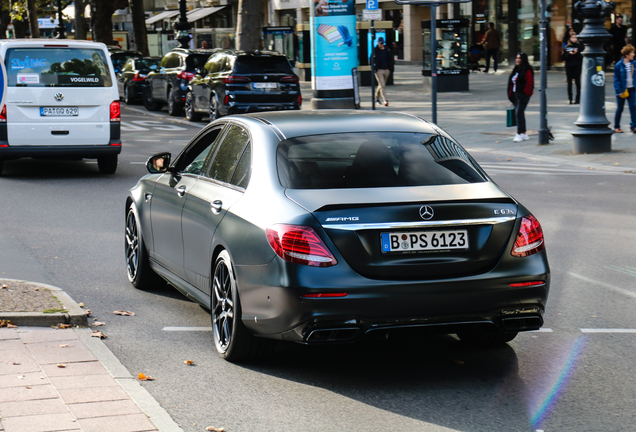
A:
[524,323]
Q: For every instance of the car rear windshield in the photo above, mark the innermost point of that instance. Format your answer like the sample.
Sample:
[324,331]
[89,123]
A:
[147,64]
[374,159]
[264,64]
[196,61]
[57,67]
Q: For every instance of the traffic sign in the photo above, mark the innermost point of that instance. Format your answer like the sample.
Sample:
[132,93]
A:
[372,4]
[371,15]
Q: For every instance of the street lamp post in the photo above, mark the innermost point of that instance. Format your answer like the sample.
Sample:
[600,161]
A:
[60,22]
[182,28]
[593,135]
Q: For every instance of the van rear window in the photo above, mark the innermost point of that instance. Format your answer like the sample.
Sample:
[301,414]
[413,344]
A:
[57,67]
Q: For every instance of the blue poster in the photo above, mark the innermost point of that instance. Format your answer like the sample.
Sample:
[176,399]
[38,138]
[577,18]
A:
[335,44]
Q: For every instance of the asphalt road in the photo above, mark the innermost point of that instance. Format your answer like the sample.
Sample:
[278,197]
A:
[62,223]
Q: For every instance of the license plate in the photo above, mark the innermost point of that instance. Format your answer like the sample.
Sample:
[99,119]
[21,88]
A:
[59,111]
[424,241]
[268,85]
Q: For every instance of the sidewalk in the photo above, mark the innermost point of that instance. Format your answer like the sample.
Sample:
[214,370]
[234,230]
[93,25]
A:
[477,119]
[64,379]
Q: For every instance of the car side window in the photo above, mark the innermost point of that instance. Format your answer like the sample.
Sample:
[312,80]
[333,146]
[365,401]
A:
[243,171]
[193,159]
[165,61]
[229,153]
[215,63]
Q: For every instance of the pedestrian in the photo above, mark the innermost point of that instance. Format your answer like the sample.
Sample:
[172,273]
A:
[492,43]
[520,89]
[204,44]
[382,61]
[624,88]
[619,37]
[116,43]
[573,65]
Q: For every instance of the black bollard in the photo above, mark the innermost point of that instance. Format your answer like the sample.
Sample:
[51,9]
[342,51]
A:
[593,135]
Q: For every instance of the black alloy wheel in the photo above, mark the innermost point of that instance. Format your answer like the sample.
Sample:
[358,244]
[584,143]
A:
[149,103]
[138,269]
[174,108]
[128,98]
[107,164]
[190,113]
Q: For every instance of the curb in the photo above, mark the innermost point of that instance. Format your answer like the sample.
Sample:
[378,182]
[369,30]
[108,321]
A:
[75,315]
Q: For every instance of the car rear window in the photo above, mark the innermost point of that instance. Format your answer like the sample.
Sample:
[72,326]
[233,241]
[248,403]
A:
[196,61]
[264,64]
[57,67]
[359,160]
[147,64]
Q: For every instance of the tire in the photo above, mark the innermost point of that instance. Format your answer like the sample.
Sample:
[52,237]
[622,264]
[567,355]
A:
[486,339]
[149,103]
[232,340]
[214,107]
[174,108]
[1,166]
[138,269]
[190,113]
[107,164]
[128,98]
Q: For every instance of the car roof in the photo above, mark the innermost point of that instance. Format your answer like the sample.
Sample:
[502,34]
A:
[50,42]
[318,122]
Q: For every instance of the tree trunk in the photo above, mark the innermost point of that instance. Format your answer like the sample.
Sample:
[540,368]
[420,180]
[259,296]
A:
[5,18]
[102,19]
[248,26]
[139,26]
[80,20]
[33,19]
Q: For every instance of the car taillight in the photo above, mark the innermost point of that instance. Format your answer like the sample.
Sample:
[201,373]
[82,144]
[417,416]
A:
[300,100]
[139,77]
[527,284]
[289,79]
[233,79]
[115,113]
[185,75]
[529,239]
[3,114]
[299,244]
[226,99]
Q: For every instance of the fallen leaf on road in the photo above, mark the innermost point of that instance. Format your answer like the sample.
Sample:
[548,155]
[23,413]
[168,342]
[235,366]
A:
[189,363]
[7,323]
[124,313]
[213,429]
[5,286]
[16,363]
[64,346]
[80,304]
[143,377]
[28,387]
[11,325]
[62,326]
[21,376]
[88,312]
[98,334]
[497,142]
[61,365]
[98,323]
[37,289]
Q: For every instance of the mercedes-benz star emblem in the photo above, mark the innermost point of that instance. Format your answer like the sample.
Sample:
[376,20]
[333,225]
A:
[426,212]
[59,96]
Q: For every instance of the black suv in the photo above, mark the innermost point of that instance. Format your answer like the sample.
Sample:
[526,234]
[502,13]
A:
[233,82]
[169,83]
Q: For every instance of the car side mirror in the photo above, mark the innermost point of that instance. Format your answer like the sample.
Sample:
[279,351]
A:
[158,163]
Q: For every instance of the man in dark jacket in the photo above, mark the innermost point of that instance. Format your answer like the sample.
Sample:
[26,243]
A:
[382,60]
[619,37]
[492,43]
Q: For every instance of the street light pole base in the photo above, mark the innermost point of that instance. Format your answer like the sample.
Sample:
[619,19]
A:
[592,140]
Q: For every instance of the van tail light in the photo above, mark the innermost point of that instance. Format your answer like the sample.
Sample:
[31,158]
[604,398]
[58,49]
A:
[290,79]
[299,244]
[185,75]
[233,79]
[115,112]
[3,114]
[529,238]
[139,77]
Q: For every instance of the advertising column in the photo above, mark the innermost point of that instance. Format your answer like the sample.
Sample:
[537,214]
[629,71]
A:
[334,43]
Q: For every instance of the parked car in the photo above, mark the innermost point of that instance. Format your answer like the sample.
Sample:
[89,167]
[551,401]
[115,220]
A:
[131,81]
[120,57]
[169,84]
[234,82]
[61,102]
[320,227]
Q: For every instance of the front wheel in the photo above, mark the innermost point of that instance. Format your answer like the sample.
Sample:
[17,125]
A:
[214,108]
[174,108]
[140,274]
[149,103]
[190,113]
[128,97]
[107,164]
[486,339]
[232,340]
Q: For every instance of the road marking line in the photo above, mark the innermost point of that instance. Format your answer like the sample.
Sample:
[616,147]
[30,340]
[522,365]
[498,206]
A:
[187,329]
[589,330]
[138,163]
[542,330]
[603,284]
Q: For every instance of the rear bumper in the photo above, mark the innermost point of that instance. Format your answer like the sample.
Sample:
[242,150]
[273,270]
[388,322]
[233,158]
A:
[241,108]
[59,152]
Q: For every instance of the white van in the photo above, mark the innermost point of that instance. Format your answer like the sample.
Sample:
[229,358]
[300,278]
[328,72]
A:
[61,102]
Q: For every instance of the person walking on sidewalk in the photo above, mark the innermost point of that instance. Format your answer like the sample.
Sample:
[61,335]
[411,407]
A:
[492,43]
[624,72]
[382,60]
[520,89]
[573,65]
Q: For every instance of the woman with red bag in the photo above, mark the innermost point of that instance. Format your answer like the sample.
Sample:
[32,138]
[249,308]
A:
[520,89]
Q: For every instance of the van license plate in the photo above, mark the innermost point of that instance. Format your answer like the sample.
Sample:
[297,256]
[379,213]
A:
[59,111]
[424,241]
[266,85]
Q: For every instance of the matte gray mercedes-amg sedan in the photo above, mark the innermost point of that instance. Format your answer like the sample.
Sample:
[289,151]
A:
[319,227]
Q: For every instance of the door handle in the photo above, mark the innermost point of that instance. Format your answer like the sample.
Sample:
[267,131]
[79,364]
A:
[181,191]
[216,206]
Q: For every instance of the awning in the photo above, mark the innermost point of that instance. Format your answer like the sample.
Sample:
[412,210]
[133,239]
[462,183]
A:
[197,14]
[162,16]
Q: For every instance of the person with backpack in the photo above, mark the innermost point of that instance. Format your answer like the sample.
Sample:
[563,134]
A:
[520,90]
